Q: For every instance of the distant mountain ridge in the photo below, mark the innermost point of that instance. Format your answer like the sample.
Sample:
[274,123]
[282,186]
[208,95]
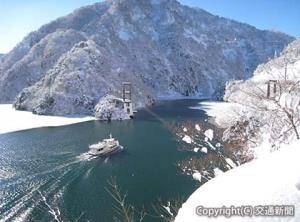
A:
[162,47]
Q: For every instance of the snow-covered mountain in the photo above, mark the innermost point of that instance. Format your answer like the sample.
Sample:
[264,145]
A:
[161,46]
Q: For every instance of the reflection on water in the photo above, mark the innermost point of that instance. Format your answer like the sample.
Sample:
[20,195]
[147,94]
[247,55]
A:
[47,175]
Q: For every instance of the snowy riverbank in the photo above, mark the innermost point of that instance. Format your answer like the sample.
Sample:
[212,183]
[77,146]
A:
[224,113]
[273,180]
[12,120]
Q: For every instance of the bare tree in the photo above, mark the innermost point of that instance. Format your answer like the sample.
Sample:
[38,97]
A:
[282,119]
[124,212]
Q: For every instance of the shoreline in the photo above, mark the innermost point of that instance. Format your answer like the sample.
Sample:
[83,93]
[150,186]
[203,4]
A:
[242,188]
[223,113]
[14,120]
[241,184]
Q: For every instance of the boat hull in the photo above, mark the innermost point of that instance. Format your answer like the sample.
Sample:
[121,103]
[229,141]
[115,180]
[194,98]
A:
[106,153]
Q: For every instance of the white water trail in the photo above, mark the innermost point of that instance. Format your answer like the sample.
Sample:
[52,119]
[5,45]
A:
[54,212]
[85,157]
[106,160]
[13,211]
[17,212]
[78,159]
[22,217]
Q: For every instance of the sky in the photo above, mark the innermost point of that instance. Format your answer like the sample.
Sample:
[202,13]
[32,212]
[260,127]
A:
[19,17]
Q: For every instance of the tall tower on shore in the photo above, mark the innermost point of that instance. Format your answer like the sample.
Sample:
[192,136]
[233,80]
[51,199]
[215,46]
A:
[127,98]
[272,88]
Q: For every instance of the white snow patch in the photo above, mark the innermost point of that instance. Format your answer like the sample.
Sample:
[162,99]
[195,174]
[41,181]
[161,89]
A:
[204,150]
[13,120]
[230,162]
[197,176]
[185,129]
[264,148]
[209,134]
[187,139]
[291,102]
[210,145]
[197,127]
[272,180]
[218,172]
[224,114]
[196,150]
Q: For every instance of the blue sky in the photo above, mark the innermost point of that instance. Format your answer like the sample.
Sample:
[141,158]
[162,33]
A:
[19,17]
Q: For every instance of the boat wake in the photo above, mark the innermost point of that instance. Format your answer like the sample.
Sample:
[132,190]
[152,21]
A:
[85,157]
[21,198]
[55,212]
[106,159]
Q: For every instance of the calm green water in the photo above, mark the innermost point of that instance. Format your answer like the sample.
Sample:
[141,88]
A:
[49,168]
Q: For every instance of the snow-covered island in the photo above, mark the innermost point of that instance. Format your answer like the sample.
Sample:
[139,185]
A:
[108,108]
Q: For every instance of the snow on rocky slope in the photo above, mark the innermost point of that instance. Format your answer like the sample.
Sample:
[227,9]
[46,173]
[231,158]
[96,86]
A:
[110,108]
[162,47]
[286,66]
[278,113]
[273,180]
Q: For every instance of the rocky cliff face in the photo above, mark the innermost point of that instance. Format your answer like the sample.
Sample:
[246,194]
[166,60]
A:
[162,47]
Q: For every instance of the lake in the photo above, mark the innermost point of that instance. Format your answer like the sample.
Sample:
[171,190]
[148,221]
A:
[48,169]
